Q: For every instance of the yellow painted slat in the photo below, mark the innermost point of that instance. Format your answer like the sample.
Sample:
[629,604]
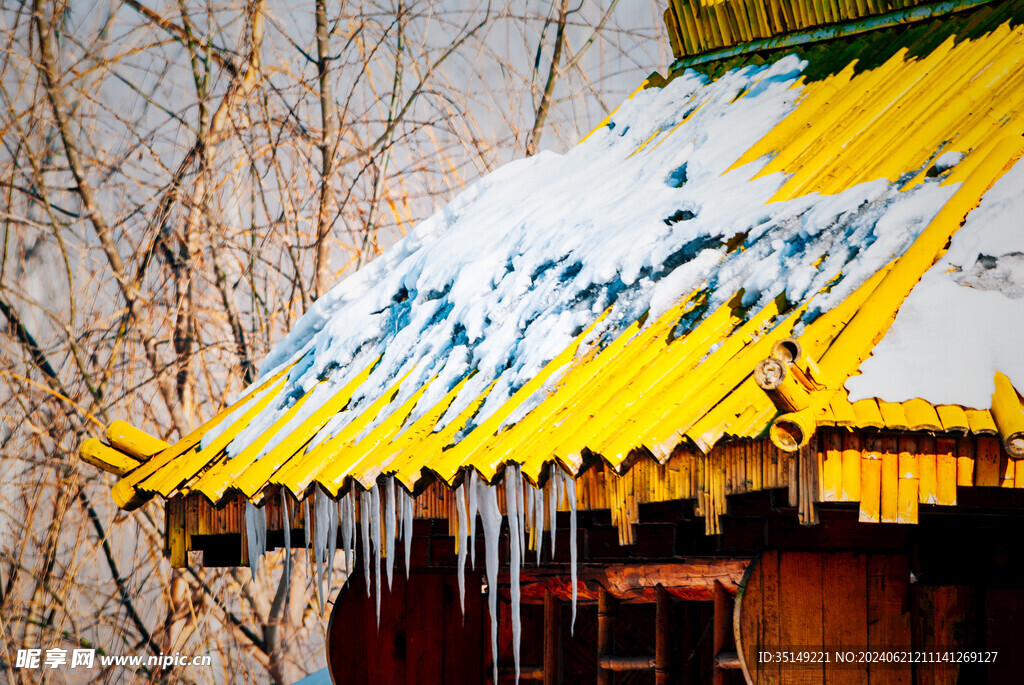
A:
[301,470]
[867,414]
[953,418]
[256,474]
[409,467]
[526,440]
[107,458]
[351,457]
[980,421]
[216,482]
[618,396]
[921,416]
[125,493]
[842,410]
[893,417]
[876,314]
[472,449]
[743,413]
[1008,415]
[411,439]
[663,420]
[188,465]
[136,443]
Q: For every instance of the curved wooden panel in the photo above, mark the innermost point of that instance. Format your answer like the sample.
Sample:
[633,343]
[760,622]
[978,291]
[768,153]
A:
[809,601]
[422,635]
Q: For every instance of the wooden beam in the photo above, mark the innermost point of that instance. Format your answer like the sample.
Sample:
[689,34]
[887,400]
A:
[662,657]
[694,580]
[605,631]
[722,628]
[619,664]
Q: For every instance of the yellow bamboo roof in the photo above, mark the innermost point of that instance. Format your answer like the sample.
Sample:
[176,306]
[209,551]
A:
[685,375]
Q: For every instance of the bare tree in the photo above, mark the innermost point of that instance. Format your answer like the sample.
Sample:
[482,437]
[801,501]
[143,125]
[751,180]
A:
[179,182]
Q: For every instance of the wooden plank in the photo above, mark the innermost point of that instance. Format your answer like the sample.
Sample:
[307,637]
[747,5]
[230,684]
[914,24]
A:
[175,532]
[771,634]
[890,479]
[942,620]
[851,467]
[800,576]
[888,617]
[986,462]
[927,485]
[945,471]
[464,635]
[721,630]
[845,613]
[748,621]
[907,493]
[832,467]
[551,632]
[425,628]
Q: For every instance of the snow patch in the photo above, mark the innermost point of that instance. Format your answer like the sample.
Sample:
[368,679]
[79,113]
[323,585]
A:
[965,319]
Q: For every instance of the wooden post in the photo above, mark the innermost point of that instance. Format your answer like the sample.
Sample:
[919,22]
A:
[605,631]
[551,633]
[722,628]
[661,651]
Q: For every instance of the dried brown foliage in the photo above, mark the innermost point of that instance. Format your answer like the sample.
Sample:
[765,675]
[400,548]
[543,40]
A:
[179,181]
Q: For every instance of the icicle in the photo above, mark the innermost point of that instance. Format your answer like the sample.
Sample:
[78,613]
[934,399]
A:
[364,527]
[490,519]
[351,501]
[390,532]
[344,523]
[255,535]
[527,510]
[570,491]
[286,524]
[460,508]
[473,479]
[408,519]
[321,527]
[307,541]
[375,534]
[514,548]
[332,534]
[553,482]
[538,520]
[520,510]
[400,512]
[348,532]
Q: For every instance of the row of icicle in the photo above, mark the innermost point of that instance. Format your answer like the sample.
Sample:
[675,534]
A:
[525,505]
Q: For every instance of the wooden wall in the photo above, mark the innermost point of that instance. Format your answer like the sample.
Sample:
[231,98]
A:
[828,601]
[422,637]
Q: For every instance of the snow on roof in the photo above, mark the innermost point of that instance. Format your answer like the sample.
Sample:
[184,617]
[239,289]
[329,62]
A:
[618,297]
[965,320]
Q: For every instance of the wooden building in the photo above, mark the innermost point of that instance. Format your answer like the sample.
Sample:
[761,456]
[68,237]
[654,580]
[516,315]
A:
[729,502]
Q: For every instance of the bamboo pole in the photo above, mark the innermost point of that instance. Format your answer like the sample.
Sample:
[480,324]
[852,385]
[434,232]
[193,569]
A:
[907,493]
[870,486]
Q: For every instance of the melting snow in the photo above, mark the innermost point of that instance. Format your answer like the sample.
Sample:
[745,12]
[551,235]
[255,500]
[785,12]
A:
[505,276]
[965,319]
